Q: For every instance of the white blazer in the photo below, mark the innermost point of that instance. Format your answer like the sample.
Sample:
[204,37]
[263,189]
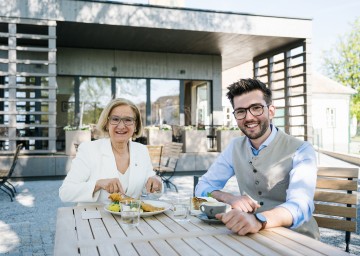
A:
[95,160]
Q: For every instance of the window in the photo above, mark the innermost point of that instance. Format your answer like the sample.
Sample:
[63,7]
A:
[135,91]
[330,117]
[165,102]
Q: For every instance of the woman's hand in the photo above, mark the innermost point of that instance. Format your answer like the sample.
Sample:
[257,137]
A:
[153,184]
[110,185]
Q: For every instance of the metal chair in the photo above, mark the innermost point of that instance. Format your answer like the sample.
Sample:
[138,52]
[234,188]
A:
[5,175]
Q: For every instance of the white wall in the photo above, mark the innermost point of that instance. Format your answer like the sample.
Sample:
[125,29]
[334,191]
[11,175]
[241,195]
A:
[332,139]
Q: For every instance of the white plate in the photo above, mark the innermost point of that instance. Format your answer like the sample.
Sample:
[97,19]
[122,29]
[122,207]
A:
[166,206]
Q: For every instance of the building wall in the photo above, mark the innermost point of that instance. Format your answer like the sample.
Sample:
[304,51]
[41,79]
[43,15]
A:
[331,138]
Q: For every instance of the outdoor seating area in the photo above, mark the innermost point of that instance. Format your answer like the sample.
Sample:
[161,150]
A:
[25,229]
[231,99]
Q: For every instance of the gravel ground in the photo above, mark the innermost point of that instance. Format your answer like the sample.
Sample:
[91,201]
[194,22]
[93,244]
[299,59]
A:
[27,225]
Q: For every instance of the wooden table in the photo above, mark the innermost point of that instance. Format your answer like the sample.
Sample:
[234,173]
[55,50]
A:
[161,235]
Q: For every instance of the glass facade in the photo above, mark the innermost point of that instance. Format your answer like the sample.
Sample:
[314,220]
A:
[80,101]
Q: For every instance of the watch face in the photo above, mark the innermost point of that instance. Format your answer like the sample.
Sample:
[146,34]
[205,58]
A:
[260,217]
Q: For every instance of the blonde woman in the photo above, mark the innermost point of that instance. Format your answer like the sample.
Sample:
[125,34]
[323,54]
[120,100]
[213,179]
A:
[113,164]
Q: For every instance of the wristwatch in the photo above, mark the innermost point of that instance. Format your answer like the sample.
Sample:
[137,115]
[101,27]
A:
[262,219]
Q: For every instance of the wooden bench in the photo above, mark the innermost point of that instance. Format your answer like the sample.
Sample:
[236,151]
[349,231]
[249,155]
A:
[336,199]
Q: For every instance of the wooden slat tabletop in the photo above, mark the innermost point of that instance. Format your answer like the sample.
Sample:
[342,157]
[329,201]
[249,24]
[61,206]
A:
[162,235]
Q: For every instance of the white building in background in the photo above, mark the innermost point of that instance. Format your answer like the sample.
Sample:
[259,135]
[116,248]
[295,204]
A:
[331,113]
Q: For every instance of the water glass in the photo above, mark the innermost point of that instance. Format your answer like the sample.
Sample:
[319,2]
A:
[181,207]
[130,213]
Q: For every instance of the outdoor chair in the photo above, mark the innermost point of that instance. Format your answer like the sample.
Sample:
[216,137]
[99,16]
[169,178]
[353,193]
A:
[5,175]
[336,199]
[169,158]
[155,154]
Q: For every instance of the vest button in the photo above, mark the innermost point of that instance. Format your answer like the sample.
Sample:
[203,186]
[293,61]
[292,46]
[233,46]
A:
[255,171]
[257,182]
[259,193]
[261,203]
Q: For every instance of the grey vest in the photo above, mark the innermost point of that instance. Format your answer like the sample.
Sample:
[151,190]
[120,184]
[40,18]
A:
[266,177]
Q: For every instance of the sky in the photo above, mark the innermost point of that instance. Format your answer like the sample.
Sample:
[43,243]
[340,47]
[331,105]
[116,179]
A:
[331,18]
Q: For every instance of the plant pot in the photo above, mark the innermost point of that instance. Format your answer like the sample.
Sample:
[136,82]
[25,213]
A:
[158,137]
[73,140]
[194,141]
[224,137]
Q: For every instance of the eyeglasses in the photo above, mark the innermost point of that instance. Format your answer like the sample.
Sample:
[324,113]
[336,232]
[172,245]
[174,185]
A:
[255,110]
[115,120]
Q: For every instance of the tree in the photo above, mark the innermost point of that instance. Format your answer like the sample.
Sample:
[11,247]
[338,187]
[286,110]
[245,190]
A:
[342,64]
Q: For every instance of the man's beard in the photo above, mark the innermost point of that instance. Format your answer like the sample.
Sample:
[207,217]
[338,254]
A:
[253,136]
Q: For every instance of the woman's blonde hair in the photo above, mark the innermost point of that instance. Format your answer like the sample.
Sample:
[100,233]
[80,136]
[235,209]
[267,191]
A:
[103,119]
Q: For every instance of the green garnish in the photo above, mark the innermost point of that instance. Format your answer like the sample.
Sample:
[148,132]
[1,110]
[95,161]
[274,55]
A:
[209,194]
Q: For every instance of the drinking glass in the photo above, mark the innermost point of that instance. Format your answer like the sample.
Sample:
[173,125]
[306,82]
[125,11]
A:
[130,213]
[181,207]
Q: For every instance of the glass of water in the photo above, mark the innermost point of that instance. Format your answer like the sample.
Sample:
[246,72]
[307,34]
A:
[181,207]
[130,213]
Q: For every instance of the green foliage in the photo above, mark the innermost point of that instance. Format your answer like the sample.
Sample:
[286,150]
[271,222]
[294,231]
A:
[342,64]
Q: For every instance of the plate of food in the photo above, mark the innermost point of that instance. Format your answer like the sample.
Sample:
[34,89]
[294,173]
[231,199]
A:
[148,207]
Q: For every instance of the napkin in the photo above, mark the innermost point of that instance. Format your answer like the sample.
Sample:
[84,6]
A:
[85,215]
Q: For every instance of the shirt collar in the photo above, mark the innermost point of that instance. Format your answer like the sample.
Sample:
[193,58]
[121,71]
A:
[265,143]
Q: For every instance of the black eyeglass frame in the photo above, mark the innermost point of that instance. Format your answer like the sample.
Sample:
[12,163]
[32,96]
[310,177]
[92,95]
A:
[249,109]
[125,120]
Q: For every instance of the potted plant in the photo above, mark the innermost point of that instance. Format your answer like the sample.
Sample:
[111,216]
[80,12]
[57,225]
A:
[74,136]
[194,139]
[224,135]
[158,135]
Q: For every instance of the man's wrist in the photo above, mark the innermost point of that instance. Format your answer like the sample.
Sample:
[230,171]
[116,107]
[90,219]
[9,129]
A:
[215,194]
[261,219]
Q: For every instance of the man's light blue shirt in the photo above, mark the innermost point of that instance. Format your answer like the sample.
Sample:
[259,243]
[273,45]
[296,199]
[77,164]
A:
[299,198]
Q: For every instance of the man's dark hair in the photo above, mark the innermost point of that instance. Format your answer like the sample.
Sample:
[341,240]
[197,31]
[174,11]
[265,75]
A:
[248,85]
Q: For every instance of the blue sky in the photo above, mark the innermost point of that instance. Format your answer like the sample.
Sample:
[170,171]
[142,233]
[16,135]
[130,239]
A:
[331,18]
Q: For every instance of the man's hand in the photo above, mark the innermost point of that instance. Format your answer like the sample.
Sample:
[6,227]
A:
[153,184]
[110,185]
[243,203]
[240,222]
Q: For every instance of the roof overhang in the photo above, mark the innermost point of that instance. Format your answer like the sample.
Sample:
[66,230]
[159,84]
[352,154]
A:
[237,37]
